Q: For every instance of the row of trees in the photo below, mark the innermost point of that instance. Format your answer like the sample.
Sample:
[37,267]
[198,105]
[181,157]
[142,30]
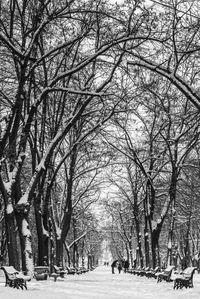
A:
[53,100]
[75,77]
[154,199]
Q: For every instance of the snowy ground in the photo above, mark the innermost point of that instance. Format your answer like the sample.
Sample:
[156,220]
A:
[100,284]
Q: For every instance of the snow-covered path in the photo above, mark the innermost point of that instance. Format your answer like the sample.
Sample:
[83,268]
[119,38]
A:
[100,284]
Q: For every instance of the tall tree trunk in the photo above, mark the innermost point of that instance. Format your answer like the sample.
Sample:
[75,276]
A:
[187,245]
[11,236]
[3,248]
[43,251]
[140,255]
[59,252]
[146,245]
[42,233]
[172,194]
[25,241]
[68,257]
[155,246]
[146,236]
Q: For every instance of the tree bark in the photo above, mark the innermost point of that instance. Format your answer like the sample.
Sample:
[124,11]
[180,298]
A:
[43,238]
[25,241]
[155,246]
[11,236]
[59,252]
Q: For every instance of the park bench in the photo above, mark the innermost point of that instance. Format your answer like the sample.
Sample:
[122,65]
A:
[58,271]
[152,272]
[131,270]
[70,271]
[14,278]
[41,272]
[84,270]
[144,271]
[78,270]
[165,275]
[135,271]
[185,279]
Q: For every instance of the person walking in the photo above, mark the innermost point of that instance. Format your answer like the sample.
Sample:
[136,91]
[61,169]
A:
[113,266]
[120,267]
[126,266]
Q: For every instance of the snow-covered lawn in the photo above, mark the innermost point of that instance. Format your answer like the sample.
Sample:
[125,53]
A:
[100,284]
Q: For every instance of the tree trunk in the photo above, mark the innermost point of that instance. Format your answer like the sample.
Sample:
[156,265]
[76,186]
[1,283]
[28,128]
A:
[187,245]
[146,246]
[59,252]
[172,194]
[169,247]
[68,262]
[11,236]
[25,241]
[74,262]
[3,248]
[43,237]
[155,246]
[140,255]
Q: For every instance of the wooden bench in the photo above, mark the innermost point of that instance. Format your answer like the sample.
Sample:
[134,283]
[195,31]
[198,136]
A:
[41,272]
[185,279]
[165,275]
[152,272]
[54,275]
[135,271]
[84,270]
[144,271]
[70,271]
[14,278]
[59,271]
[131,270]
[78,270]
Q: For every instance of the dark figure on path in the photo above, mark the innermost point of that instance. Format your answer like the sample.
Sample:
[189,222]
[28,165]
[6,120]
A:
[126,266]
[120,267]
[134,263]
[113,266]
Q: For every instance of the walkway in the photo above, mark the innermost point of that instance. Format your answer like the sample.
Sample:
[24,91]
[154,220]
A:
[100,284]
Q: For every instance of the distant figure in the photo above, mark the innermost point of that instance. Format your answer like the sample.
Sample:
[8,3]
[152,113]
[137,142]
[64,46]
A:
[120,267]
[113,266]
[126,266]
[134,263]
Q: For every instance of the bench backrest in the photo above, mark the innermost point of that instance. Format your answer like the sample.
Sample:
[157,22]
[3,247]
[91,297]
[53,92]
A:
[189,271]
[9,270]
[70,269]
[56,268]
[41,269]
[169,269]
[156,269]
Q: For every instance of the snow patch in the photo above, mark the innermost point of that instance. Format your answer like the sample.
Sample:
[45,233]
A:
[25,229]
[169,244]
[7,186]
[159,221]
[23,199]
[9,209]
[154,224]
[58,232]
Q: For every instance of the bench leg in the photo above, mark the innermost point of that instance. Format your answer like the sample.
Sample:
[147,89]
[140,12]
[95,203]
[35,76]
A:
[19,283]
